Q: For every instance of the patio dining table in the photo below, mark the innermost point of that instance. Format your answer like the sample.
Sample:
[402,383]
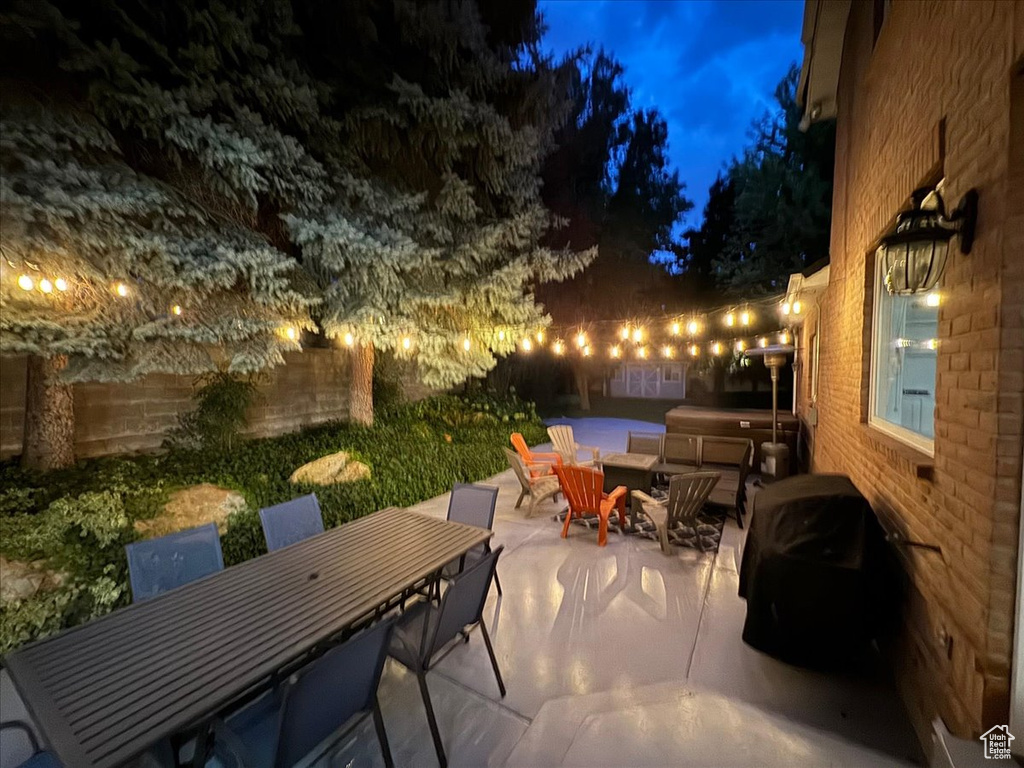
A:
[104,692]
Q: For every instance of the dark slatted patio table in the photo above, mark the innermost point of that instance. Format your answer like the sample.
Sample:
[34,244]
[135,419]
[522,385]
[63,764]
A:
[105,691]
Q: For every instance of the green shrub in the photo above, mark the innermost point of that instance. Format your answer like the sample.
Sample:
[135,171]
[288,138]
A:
[216,422]
[79,519]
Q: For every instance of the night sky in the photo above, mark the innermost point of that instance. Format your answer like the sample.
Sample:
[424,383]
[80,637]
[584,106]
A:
[709,66]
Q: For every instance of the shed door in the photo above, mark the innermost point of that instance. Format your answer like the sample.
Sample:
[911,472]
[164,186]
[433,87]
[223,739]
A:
[643,381]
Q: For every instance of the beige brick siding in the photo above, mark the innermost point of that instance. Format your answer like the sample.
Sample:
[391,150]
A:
[932,99]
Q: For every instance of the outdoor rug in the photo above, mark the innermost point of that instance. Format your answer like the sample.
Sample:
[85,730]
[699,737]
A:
[706,537]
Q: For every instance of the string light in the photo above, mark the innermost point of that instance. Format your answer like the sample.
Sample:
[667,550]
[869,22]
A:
[121,289]
[586,351]
[740,345]
[694,350]
[785,307]
[406,342]
[730,319]
[932,299]
[784,338]
[176,309]
[466,343]
[675,329]
[540,337]
[349,340]
[581,339]
[45,286]
[762,342]
[716,348]
[624,333]
[25,283]
[642,353]
[796,307]
[60,284]
[559,347]
[693,327]
[615,351]
[638,335]
[501,335]
[527,345]
[667,352]
[745,318]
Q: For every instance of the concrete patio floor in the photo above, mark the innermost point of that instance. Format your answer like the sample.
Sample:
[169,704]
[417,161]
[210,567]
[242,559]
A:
[625,656]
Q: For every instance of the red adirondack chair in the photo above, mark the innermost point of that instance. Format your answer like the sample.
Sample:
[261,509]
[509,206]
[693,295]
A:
[584,490]
[537,463]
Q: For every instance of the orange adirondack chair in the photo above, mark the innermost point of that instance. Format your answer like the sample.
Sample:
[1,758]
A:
[584,490]
[531,459]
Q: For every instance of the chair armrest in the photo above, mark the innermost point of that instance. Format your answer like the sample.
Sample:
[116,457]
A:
[617,493]
[545,478]
[644,498]
[594,450]
[547,457]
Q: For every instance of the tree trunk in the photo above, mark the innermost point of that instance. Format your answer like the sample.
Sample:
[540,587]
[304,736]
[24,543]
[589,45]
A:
[49,416]
[360,407]
[582,386]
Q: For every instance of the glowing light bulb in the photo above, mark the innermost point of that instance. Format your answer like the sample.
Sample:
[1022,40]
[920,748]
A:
[624,333]
[694,350]
[740,345]
[586,351]
[785,307]
[745,318]
[25,283]
[406,342]
[638,335]
[642,353]
[466,344]
[730,319]
[121,290]
[693,327]
[932,343]
[290,333]
[783,338]
[581,339]
[667,351]
[615,351]
[45,286]
[60,284]
[675,329]
[762,342]
[501,335]
[540,337]
[797,306]
[559,348]
[527,345]
[932,299]
[716,348]
[176,309]
[349,340]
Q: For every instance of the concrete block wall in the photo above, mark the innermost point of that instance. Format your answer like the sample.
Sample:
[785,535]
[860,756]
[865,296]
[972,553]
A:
[937,96]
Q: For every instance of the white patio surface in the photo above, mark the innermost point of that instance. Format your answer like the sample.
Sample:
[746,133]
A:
[622,656]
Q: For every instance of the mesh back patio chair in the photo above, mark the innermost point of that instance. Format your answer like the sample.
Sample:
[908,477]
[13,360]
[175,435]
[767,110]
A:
[291,521]
[158,565]
[472,504]
[649,443]
[537,488]
[318,702]
[538,462]
[564,442]
[732,458]
[584,490]
[34,755]
[687,495]
[426,630]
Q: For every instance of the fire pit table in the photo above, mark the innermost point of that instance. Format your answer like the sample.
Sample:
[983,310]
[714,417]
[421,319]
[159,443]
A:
[633,470]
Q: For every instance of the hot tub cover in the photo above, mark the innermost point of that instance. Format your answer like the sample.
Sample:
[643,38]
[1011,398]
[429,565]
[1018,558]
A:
[814,571]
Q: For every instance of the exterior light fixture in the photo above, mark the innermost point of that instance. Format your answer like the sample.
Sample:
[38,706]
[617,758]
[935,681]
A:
[694,350]
[642,353]
[741,345]
[60,284]
[730,319]
[675,329]
[915,250]
[762,342]
[540,337]
[466,343]
[693,327]
[45,286]
[797,307]
[667,351]
[349,340]
[501,335]
[624,333]
[932,344]
[785,307]
[406,342]
[932,299]
[290,333]
[25,283]
[638,335]
[121,290]
[581,339]
[615,351]
[559,347]
[176,309]
[783,338]
[745,318]
[527,345]
[716,348]
[586,351]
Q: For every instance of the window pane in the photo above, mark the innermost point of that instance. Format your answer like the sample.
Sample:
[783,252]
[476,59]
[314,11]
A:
[906,328]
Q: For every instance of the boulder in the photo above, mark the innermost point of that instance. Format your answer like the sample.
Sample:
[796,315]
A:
[191,507]
[20,580]
[330,469]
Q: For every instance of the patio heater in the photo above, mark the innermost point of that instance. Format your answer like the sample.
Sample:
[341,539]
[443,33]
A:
[774,455]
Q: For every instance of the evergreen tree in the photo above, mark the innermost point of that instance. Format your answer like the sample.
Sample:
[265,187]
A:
[696,259]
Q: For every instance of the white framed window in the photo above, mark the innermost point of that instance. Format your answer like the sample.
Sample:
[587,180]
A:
[903,365]
[671,373]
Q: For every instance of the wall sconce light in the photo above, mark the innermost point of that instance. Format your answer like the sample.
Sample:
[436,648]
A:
[915,250]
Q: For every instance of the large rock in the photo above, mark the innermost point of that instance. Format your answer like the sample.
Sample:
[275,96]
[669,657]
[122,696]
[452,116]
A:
[331,469]
[21,580]
[193,506]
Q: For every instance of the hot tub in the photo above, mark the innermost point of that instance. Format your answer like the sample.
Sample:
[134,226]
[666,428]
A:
[740,422]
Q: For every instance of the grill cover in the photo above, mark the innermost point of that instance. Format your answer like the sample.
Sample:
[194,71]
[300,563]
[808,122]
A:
[814,572]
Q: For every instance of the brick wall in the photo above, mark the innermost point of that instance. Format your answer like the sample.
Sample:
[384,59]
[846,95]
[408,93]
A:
[931,99]
[120,418]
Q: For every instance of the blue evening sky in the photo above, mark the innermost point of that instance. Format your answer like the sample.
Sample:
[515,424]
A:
[709,66]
